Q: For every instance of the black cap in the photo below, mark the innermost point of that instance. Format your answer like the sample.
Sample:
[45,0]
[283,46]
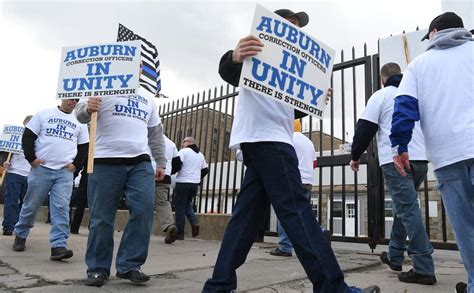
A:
[444,21]
[302,17]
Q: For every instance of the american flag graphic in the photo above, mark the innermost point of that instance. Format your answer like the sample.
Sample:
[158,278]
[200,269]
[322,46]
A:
[150,77]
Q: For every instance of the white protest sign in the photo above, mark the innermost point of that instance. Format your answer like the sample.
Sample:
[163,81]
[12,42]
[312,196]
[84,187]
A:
[10,139]
[402,49]
[293,68]
[99,70]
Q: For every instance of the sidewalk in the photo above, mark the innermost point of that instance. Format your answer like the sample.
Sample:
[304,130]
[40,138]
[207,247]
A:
[185,265]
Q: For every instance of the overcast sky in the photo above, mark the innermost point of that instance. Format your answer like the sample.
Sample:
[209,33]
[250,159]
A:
[191,36]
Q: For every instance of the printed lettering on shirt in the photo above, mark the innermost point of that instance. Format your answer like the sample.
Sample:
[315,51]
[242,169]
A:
[133,106]
[60,128]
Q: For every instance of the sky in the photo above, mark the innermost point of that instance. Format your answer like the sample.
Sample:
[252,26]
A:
[191,36]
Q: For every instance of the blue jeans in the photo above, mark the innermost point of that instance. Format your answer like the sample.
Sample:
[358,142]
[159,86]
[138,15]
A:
[407,219]
[272,176]
[58,183]
[183,198]
[284,243]
[105,187]
[15,190]
[456,183]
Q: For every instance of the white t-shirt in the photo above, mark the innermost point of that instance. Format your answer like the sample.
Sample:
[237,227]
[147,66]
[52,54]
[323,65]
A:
[258,118]
[171,152]
[19,165]
[58,136]
[443,83]
[306,156]
[122,125]
[193,163]
[379,110]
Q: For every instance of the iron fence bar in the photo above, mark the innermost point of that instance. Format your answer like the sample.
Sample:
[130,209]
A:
[356,186]
[343,169]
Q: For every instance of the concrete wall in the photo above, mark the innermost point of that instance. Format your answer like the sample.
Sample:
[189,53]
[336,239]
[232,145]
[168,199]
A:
[212,225]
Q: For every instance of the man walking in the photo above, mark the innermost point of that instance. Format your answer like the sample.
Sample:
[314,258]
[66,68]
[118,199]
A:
[55,144]
[263,130]
[122,165]
[377,118]
[437,90]
[163,210]
[16,185]
[193,170]
[306,155]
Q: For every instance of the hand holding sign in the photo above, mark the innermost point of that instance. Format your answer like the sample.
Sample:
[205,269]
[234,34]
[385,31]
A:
[246,47]
[93,104]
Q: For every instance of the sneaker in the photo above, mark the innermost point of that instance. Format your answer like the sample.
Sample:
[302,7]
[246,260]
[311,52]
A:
[171,234]
[385,260]
[136,276]
[195,230]
[371,289]
[19,244]
[95,279]
[278,252]
[461,287]
[412,277]
[60,253]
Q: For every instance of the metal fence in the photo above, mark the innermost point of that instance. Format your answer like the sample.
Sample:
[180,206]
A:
[355,207]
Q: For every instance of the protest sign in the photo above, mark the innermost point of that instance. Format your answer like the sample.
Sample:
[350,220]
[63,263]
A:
[10,139]
[99,70]
[402,49]
[293,68]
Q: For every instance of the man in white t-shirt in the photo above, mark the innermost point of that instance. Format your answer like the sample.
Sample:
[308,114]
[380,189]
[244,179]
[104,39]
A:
[437,89]
[306,155]
[193,170]
[16,184]
[263,130]
[407,219]
[55,144]
[128,128]
[163,209]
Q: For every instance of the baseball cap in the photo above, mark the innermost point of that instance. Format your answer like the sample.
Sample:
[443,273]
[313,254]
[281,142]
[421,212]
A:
[302,17]
[444,21]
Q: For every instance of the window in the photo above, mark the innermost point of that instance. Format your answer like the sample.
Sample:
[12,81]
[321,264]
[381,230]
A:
[388,208]
[337,209]
[226,145]
[350,210]
[314,207]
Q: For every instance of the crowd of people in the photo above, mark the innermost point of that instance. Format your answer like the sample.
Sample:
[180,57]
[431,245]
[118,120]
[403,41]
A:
[133,159]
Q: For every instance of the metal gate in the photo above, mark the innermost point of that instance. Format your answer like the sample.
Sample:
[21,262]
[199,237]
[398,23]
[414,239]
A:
[355,207]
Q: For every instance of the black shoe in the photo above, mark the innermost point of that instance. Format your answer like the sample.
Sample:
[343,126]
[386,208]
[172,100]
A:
[8,232]
[171,234]
[19,244]
[385,260]
[135,276]
[278,252]
[59,253]
[461,287]
[180,237]
[95,279]
[195,230]
[75,232]
[412,277]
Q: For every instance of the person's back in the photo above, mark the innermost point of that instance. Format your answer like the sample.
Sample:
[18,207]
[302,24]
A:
[445,93]
[438,91]
[193,162]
